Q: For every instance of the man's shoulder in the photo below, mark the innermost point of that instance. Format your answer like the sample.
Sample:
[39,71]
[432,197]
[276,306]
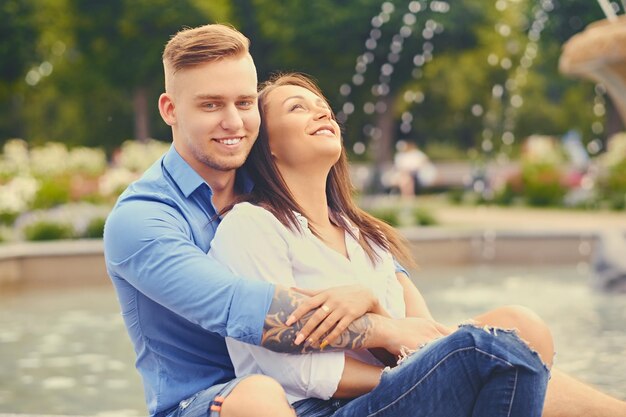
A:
[149,196]
[152,187]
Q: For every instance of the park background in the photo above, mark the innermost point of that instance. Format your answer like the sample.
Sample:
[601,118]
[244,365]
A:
[467,82]
[475,84]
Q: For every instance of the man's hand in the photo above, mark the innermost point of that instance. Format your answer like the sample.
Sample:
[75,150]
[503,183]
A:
[336,308]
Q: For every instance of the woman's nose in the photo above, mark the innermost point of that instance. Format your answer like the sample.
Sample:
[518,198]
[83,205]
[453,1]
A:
[322,113]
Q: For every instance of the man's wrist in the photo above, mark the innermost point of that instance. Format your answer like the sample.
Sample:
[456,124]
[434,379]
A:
[379,332]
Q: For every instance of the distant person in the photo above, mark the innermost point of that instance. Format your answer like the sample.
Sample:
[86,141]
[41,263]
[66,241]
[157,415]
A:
[413,169]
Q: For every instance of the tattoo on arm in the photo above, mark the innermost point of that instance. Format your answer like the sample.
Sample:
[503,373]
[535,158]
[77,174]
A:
[279,338]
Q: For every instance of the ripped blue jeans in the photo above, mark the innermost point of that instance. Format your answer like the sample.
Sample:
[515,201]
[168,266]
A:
[473,372]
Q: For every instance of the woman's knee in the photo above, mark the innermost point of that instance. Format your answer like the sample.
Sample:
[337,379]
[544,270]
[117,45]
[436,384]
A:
[257,395]
[530,327]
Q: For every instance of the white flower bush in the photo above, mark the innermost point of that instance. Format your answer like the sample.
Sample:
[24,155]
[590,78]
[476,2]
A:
[115,180]
[17,195]
[138,156]
[92,161]
[49,160]
[74,187]
[14,159]
[77,216]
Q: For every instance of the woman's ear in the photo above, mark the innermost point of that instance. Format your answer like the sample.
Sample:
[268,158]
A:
[167,109]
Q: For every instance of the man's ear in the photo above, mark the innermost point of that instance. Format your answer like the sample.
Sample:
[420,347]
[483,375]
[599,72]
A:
[166,108]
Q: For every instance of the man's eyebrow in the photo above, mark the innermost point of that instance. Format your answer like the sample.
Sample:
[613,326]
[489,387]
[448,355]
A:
[221,97]
[208,97]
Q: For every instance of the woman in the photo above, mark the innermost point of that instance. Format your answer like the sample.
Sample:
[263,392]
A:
[300,227]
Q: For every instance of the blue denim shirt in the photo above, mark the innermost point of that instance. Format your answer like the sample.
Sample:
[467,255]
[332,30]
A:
[177,304]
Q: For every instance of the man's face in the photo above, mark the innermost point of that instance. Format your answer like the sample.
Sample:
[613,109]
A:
[213,113]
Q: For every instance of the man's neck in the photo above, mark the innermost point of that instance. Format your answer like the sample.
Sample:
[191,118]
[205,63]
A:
[223,187]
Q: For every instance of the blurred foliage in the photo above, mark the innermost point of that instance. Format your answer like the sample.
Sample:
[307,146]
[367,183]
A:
[95,228]
[612,186]
[389,215]
[48,230]
[87,72]
[424,217]
[542,184]
[52,192]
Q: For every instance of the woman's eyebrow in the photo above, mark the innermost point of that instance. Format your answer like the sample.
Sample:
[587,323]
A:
[318,100]
[292,97]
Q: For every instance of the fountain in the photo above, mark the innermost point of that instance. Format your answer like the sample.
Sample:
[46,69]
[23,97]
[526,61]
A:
[599,53]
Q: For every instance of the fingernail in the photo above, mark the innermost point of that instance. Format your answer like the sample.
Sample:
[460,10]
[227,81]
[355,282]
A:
[299,339]
[290,320]
[323,344]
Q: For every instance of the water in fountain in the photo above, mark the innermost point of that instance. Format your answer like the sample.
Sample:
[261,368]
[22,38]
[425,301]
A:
[599,111]
[382,89]
[508,97]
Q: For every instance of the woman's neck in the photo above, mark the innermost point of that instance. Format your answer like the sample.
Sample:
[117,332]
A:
[309,192]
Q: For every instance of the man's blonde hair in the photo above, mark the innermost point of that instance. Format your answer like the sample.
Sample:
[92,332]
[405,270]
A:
[195,46]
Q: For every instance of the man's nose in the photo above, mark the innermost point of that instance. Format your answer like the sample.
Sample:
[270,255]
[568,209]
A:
[232,119]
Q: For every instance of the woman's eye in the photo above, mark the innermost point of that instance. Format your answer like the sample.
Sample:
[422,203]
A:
[296,106]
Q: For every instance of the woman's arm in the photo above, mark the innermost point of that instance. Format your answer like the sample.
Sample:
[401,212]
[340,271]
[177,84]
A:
[358,378]
[415,303]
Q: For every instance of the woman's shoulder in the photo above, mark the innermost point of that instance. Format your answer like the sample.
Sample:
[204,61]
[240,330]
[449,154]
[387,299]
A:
[246,209]
[247,215]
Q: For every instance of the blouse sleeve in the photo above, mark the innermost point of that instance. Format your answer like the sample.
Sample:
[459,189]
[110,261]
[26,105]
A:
[253,243]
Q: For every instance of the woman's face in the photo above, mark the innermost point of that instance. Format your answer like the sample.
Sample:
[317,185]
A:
[300,128]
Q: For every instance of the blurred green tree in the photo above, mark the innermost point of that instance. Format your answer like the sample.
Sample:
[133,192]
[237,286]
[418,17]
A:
[89,72]
[107,72]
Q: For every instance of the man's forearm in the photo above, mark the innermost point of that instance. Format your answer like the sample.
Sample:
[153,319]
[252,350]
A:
[363,332]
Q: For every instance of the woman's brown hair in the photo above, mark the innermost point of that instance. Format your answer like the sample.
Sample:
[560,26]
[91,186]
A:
[271,191]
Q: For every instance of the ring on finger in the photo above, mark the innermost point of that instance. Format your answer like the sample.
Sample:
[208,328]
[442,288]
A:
[325,308]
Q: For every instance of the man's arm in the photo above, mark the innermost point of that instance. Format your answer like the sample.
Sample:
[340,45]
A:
[279,337]
[366,332]
[149,246]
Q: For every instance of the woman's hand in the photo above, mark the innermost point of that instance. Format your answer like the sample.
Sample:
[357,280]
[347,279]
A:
[412,333]
[337,307]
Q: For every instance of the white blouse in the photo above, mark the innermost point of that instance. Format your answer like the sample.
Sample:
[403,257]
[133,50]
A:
[253,243]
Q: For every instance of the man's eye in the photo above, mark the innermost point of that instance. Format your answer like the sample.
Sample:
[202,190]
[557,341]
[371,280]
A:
[209,106]
[246,103]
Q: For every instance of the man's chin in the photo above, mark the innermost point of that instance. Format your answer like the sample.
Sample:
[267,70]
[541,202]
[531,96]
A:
[226,165]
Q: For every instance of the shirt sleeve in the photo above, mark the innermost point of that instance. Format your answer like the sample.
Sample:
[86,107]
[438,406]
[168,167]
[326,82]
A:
[400,268]
[149,244]
[252,242]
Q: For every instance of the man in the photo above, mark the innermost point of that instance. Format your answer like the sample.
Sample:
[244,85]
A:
[177,304]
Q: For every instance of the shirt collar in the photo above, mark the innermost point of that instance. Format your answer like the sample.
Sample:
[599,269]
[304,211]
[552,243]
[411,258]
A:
[304,222]
[188,180]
